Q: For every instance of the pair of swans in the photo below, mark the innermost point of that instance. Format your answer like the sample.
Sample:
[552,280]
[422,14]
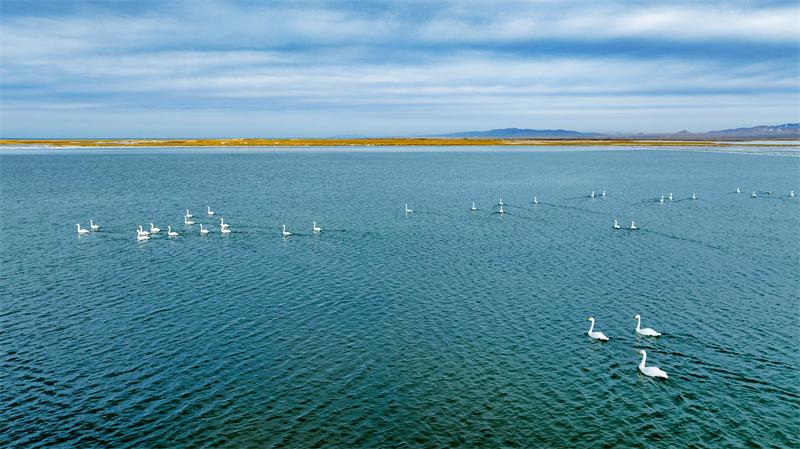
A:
[83,231]
[650,371]
[643,331]
[632,227]
[141,234]
[314,229]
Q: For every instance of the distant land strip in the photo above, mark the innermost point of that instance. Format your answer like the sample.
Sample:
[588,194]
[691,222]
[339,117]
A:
[377,142]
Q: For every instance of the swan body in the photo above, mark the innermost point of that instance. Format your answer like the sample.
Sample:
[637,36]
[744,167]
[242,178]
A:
[791,194]
[285,233]
[408,211]
[694,196]
[81,231]
[662,199]
[225,230]
[633,226]
[650,371]
[170,232]
[314,228]
[616,225]
[93,226]
[738,190]
[604,193]
[501,211]
[473,208]
[222,223]
[535,200]
[153,229]
[592,195]
[209,211]
[645,332]
[188,215]
[754,194]
[670,196]
[203,231]
[595,335]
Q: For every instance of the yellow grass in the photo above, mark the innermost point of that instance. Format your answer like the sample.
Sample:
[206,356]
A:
[378,142]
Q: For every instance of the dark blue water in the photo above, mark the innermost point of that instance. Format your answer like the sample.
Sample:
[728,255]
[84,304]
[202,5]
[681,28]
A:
[441,328]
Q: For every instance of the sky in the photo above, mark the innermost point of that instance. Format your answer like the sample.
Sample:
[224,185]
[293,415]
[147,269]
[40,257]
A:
[234,68]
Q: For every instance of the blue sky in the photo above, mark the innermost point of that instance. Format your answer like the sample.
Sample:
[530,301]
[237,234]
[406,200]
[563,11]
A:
[315,69]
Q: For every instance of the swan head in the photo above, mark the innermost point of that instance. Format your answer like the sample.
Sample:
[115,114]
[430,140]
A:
[637,317]
[642,353]
[590,319]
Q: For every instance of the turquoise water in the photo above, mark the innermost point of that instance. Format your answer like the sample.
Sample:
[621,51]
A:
[441,328]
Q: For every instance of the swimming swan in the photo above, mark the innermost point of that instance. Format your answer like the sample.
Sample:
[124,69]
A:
[754,194]
[738,190]
[662,199]
[285,233]
[188,215]
[633,226]
[81,231]
[650,371]
[203,231]
[596,335]
[153,229]
[616,225]
[408,211]
[646,332]
[670,196]
[141,235]
[694,196]
[535,200]
[604,193]
[592,195]
[314,228]
[473,208]
[142,231]
[791,194]
[93,226]
[209,211]
[170,232]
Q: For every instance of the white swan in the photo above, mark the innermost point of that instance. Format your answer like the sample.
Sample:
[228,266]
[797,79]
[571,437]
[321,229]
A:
[535,200]
[225,230]
[203,231]
[596,335]
[285,233]
[754,194]
[93,225]
[604,193]
[670,196]
[738,190]
[186,220]
[501,211]
[592,195]
[141,236]
[791,194]
[646,332]
[142,231]
[473,208]
[188,215]
[314,228]
[694,196]
[633,226]
[209,212]
[222,223]
[616,225]
[80,230]
[408,211]
[662,199]
[170,232]
[153,229]
[650,371]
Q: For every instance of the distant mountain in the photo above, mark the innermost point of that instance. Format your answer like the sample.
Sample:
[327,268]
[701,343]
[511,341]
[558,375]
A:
[519,133]
[784,131]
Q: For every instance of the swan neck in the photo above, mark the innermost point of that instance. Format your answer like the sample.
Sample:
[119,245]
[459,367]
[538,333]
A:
[638,323]
[591,326]
[644,358]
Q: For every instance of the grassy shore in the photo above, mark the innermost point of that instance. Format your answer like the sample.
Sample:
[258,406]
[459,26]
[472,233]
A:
[378,142]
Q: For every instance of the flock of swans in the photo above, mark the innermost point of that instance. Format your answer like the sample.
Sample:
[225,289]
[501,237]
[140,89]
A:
[649,371]
[224,229]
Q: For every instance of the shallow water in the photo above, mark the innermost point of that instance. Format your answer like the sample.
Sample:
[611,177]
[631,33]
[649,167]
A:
[441,328]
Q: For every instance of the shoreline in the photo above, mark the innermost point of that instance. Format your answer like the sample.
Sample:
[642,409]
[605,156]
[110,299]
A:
[368,142]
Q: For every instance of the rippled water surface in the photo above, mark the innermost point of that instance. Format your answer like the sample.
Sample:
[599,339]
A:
[440,328]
